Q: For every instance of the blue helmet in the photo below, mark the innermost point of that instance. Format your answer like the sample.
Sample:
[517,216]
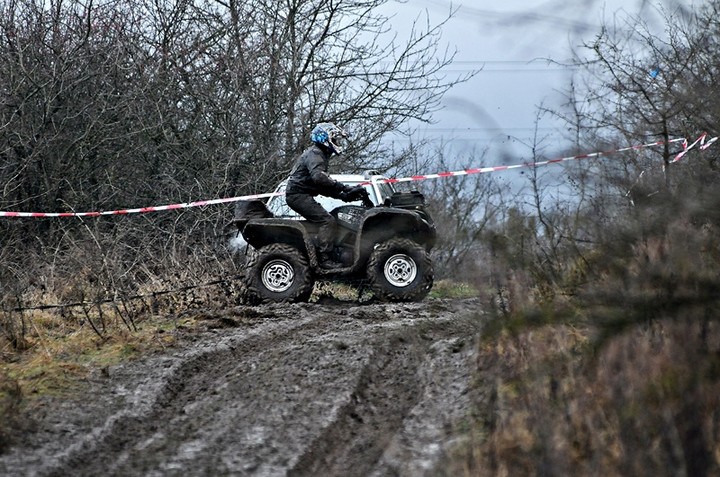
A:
[328,135]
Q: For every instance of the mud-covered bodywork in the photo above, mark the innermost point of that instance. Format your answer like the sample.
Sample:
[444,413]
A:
[359,229]
[386,247]
[363,228]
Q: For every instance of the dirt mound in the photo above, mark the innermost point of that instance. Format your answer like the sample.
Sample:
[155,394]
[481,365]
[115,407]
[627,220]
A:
[306,389]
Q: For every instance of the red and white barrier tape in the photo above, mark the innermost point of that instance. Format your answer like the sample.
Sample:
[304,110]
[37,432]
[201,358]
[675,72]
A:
[482,170]
[702,141]
[142,210]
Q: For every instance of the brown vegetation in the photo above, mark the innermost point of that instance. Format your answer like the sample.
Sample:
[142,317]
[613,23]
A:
[138,103]
[644,404]
[603,354]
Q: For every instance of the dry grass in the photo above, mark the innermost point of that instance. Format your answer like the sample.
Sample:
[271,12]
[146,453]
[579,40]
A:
[51,353]
[453,289]
[57,356]
[612,371]
[645,404]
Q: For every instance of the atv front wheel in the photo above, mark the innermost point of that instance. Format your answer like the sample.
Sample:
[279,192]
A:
[279,273]
[400,270]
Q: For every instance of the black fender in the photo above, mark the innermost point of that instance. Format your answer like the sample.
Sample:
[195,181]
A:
[261,232]
[382,224]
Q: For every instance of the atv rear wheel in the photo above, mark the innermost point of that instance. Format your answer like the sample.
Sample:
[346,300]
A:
[400,270]
[279,273]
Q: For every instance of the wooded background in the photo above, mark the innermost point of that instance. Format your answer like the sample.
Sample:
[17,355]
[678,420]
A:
[135,103]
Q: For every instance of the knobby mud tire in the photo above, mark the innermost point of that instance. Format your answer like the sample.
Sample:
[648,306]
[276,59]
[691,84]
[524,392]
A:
[286,257]
[406,253]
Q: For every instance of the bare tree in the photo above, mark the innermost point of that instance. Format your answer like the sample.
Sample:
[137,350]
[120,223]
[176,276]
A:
[215,94]
[464,209]
[637,80]
[328,60]
[139,102]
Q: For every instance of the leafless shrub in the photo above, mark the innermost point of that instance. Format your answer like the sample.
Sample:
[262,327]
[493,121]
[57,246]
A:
[641,406]
[616,373]
[137,103]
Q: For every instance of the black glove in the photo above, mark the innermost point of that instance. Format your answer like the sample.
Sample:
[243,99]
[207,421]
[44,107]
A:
[366,201]
[353,193]
[343,195]
[365,197]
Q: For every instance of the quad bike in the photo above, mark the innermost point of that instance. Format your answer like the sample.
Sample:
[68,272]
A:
[385,247]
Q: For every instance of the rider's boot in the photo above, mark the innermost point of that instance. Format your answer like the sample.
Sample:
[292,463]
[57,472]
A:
[327,262]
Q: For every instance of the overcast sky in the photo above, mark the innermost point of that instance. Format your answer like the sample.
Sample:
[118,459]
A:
[510,42]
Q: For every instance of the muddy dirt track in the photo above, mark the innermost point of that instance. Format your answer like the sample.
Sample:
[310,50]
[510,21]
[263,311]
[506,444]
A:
[336,389]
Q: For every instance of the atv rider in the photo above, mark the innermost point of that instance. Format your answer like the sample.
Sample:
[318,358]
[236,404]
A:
[309,178]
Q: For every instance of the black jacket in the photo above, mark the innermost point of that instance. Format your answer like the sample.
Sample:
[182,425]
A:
[309,175]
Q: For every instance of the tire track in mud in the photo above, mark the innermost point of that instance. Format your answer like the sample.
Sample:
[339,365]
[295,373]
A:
[306,390]
[369,430]
[127,441]
[387,389]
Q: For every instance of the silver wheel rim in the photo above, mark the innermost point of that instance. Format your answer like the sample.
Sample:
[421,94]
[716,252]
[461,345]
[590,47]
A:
[400,270]
[277,276]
